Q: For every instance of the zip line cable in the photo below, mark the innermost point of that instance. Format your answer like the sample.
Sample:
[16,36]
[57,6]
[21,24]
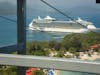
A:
[57,9]
[6,18]
[60,12]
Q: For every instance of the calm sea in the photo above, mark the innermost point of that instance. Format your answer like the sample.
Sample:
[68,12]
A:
[8,34]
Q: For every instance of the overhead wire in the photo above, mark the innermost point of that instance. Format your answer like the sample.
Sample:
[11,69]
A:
[61,12]
[6,18]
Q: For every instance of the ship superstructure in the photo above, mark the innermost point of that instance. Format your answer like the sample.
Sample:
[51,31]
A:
[51,24]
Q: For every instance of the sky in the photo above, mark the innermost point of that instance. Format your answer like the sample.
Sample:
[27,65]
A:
[74,8]
[36,7]
[7,7]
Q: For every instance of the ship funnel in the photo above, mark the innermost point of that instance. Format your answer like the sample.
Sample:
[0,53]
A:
[39,18]
[49,18]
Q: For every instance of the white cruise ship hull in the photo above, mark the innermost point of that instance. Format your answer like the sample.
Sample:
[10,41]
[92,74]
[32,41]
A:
[45,29]
[49,24]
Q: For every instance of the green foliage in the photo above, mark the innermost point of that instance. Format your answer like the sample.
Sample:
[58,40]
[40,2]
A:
[76,54]
[62,49]
[54,44]
[33,47]
[38,53]
[38,72]
[72,43]
[60,54]
[72,50]
[8,70]
[80,42]
[67,56]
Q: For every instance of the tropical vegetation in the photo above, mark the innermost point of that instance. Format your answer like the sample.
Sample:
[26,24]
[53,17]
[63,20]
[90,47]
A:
[72,43]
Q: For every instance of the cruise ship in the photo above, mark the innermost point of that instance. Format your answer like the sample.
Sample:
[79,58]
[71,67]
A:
[49,24]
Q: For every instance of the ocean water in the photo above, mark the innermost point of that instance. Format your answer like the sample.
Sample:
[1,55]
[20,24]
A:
[8,36]
[8,31]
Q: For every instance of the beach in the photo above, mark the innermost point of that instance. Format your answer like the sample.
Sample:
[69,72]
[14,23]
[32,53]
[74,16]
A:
[93,56]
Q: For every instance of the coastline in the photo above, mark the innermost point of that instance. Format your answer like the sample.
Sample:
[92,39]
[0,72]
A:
[85,57]
[94,56]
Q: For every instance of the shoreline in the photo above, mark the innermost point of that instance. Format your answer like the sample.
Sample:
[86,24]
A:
[84,57]
[93,56]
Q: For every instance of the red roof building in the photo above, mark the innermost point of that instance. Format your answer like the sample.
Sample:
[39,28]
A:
[95,46]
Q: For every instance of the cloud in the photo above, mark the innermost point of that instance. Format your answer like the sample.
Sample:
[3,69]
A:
[60,3]
[7,8]
[11,1]
[36,7]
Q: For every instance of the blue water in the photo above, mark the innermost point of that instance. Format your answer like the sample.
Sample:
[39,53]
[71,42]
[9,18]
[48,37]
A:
[8,35]
[8,30]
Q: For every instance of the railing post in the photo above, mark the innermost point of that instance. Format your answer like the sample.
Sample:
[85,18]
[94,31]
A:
[21,30]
